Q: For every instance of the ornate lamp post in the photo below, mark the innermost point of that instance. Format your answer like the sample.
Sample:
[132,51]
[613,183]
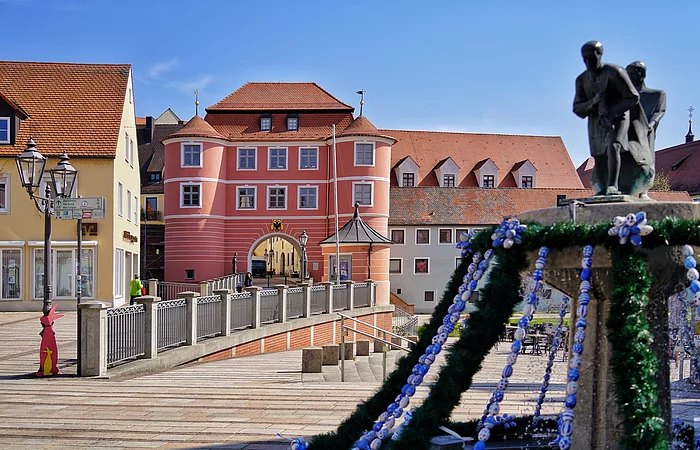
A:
[303,240]
[31,165]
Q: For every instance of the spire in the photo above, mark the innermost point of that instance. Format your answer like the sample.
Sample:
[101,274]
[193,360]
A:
[361,93]
[690,137]
[196,102]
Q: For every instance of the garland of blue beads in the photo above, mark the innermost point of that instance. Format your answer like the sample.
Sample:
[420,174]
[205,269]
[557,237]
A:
[566,418]
[490,417]
[556,341]
[694,287]
[508,233]
[374,438]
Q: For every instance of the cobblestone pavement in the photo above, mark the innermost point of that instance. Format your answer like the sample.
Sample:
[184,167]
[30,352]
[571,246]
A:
[231,404]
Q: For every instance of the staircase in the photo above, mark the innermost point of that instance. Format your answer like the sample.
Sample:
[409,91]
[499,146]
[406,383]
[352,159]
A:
[361,369]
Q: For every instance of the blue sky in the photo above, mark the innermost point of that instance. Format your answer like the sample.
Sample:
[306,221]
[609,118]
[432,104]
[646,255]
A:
[494,67]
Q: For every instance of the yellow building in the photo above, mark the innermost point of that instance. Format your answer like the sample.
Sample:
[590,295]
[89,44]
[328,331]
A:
[86,111]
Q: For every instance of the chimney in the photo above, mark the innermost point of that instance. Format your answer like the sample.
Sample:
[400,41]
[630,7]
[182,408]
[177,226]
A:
[149,129]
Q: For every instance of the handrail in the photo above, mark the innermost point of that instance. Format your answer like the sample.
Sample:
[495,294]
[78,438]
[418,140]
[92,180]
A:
[406,349]
[373,327]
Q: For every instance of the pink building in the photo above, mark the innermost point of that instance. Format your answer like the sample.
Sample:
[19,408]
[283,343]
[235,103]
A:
[258,170]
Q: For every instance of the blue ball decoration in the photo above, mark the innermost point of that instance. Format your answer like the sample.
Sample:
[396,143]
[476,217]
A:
[544,252]
[584,298]
[694,286]
[689,262]
[498,395]
[573,374]
[524,322]
[363,444]
[570,401]
[577,348]
[581,323]
[390,409]
[473,285]
[586,274]
[378,426]
[480,445]
[507,371]
[588,251]
[636,239]
[516,346]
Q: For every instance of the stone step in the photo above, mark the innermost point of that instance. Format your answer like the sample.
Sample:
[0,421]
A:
[363,370]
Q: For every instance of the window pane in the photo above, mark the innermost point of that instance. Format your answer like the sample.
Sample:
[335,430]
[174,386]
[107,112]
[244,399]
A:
[308,158]
[421,265]
[4,130]
[422,236]
[429,296]
[265,123]
[364,154]
[363,194]
[459,231]
[119,273]
[11,271]
[38,273]
[64,273]
[3,198]
[445,236]
[87,275]
[449,181]
[408,180]
[397,236]
[394,266]
[307,198]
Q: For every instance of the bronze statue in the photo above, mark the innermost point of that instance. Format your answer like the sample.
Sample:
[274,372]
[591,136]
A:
[617,126]
[653,103]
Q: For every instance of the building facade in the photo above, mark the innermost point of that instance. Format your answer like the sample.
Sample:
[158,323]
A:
[258,170]
[55,104]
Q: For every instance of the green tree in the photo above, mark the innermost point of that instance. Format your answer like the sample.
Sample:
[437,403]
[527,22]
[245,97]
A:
[661,183]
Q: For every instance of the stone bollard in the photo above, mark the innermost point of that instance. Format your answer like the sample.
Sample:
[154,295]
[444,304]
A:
[312,360]
[190,316]
[93,335]
[379,346]
[329,295]
[331,355]
[225,311]
[349,347]
[307,298]
[282,289]
[255,292]
[351,293]
[152,287]
[150,324]
[395,341]
[362,348]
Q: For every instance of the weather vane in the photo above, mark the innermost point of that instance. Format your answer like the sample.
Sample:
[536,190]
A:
[361,92]
[196,102]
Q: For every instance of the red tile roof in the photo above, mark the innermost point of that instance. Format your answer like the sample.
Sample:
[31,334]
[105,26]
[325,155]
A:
[547,153]
[76,108]
[140,121]
[476,206]
[246,127]
[681,164]
[584,172]
[361,126]
[280,96]
[197,127]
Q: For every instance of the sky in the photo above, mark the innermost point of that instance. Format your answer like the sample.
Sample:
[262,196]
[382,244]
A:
[484,67]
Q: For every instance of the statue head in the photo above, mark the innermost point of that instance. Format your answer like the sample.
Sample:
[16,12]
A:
[637,72]
[592,53]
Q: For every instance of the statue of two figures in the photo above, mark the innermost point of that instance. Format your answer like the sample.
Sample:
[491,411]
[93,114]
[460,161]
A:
[623,115]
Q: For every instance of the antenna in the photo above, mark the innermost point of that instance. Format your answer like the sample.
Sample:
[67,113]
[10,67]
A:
[196,102]
[361,93]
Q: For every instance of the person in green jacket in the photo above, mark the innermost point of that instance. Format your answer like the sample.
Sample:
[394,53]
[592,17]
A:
[135,289]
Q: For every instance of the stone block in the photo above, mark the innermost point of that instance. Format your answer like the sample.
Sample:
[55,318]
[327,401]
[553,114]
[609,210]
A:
[311,360]
[379,346]
[395,341]
[349,350]
[331,355]
[362,348]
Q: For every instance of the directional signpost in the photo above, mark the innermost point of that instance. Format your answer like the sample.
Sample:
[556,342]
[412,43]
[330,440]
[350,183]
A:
[79,208]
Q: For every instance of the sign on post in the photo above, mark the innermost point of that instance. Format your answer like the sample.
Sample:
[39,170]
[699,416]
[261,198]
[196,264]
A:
[79,208]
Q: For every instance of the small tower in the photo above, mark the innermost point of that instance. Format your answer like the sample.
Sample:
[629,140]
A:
[690,137]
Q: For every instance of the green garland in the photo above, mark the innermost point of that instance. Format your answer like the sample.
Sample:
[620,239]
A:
[632,360]
[496,304]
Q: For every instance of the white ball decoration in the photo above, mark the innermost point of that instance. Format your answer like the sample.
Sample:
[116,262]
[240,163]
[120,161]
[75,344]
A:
[404,402]
[575,362]
[619,221]
[512,358]
[693,274]
[390,422]
[528,310]
[376,444]
[572,388]
[519,334]
[688,250]
[503,384]
[494,408]
[508,243]
[631,219]
[484,434]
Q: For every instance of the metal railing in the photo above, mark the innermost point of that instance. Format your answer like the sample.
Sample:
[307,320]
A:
[362,297]
[343,331]
[318,299]
[341,297]
[295,302]
[125,333]
[403,323]
[172,322]
[169,291]
[269,306]
[241,311]
[208,316]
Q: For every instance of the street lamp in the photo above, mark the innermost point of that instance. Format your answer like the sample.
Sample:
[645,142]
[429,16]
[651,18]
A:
[303,240]
[31,165]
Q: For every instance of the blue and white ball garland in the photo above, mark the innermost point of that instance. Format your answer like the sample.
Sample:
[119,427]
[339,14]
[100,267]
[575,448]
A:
[490,417]
[692,274]
[463,243]
[508,233]
[631,228]
[556,341]
[297,444]
[374,438]
[566,418]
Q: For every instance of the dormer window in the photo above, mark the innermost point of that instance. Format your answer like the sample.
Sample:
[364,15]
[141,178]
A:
[525,174]
[527,182]
[292,122]
[155,176]
[4,130]
[266,122]
[446,172]
[489,181]
[408,180]
[406,171]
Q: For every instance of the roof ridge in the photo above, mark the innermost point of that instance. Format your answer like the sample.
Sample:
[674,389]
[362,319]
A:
[473,133]
[60,63]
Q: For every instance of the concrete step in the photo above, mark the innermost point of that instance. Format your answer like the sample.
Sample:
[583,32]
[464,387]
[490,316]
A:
[363,369]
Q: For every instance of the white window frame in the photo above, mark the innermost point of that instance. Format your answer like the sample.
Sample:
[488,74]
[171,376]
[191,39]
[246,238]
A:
[414,265]
[128,205]
[19,279]
[445,177]
[265,117]
[374,151]
[412,176]
[315,149]
[458,259]
[299,188]
[522,181]
[126,146]
[483,181]
[286,198]
[31,285]
[255,198]
[136,210]
[416,236]
[400,272]
[458,231]
[5,178]
[371,185]
[429,301]
[269,158]
[452,236]
[7,120]
[293,117]
[238,158]
[131,152]
[398,229]
[119,268]
[120,198]
[182,194]
[182,154]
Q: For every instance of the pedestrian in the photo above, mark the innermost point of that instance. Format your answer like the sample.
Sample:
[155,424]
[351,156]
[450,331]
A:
[248,279]
[135,288]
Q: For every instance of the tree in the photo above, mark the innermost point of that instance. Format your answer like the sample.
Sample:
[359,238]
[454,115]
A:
[661,183]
